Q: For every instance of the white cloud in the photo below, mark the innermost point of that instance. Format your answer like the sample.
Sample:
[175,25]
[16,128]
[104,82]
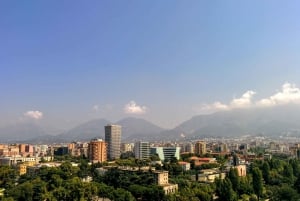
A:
[33,114]
[133,108]
[289,93]
[215,106]
[96,108]
[244,101]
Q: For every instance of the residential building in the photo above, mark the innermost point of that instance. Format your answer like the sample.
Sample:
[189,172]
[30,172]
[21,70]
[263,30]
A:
[242,170]
[185,165]
[199,161]
[189,147]
[14,160]
[208,176]
[200,148]
[161,178]
[78,149]
[97,151]
[126,147]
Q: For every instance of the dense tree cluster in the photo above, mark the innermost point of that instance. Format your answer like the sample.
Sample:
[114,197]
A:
[277,179]
[62,183]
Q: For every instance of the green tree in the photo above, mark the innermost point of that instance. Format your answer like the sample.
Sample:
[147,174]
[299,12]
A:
[245,186]
[22,192]
[55,182]
[295,165]
[7,176]
[104,191]
[122,195]
[266,172]
[297,184]
[39,188]
[287,193]
[225,191]
[288,174]
[68,170]
[84,168]
[234,178]
[257,182]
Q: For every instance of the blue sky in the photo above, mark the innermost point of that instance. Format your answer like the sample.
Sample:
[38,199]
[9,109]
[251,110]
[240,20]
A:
[164,61]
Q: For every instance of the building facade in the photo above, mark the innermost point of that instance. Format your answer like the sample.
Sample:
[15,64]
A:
[161,178]
[127,147]
[142,150]
[166,153]
[200,148]
[113,139]
[97,151]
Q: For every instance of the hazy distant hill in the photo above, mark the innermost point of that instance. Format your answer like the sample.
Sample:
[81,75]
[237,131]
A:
[267,121]
[21,131]
[284,120]
[86,131]
[131,128]
[135,128]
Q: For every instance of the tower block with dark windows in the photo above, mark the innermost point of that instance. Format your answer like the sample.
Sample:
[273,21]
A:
[113,135]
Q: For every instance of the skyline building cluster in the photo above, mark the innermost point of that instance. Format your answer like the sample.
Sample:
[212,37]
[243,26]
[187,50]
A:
[110,149]
[100,150]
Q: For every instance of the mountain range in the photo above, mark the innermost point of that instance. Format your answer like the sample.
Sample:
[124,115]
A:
[275,121]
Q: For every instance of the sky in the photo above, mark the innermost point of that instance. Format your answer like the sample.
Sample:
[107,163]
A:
[66,62]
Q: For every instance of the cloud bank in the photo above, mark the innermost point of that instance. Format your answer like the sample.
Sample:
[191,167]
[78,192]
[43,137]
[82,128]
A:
[289,93]
[133,108]
[33,114]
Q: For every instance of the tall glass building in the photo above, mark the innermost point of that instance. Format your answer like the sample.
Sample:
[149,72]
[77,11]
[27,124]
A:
[113,139]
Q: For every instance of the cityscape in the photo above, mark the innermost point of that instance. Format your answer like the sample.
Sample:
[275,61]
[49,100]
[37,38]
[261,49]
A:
[149,100]
[207,162]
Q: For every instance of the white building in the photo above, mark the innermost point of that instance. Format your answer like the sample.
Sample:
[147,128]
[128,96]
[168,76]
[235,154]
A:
[142,150]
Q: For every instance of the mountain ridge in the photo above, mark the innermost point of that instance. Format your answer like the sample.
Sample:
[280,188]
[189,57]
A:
[284,120]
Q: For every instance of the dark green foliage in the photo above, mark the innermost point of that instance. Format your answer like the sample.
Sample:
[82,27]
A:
[234,178]
[245,186]
[282,193]
[147,193]
[296,167]
[225,191]
[297,184]
[174,168]
[277,180]
[257,182]
[7,176]
[266,172]
[288,174]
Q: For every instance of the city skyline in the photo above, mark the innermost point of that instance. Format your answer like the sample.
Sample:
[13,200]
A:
[65,63]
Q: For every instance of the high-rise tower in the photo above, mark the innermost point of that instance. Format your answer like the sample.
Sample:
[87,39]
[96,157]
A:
[113,140]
